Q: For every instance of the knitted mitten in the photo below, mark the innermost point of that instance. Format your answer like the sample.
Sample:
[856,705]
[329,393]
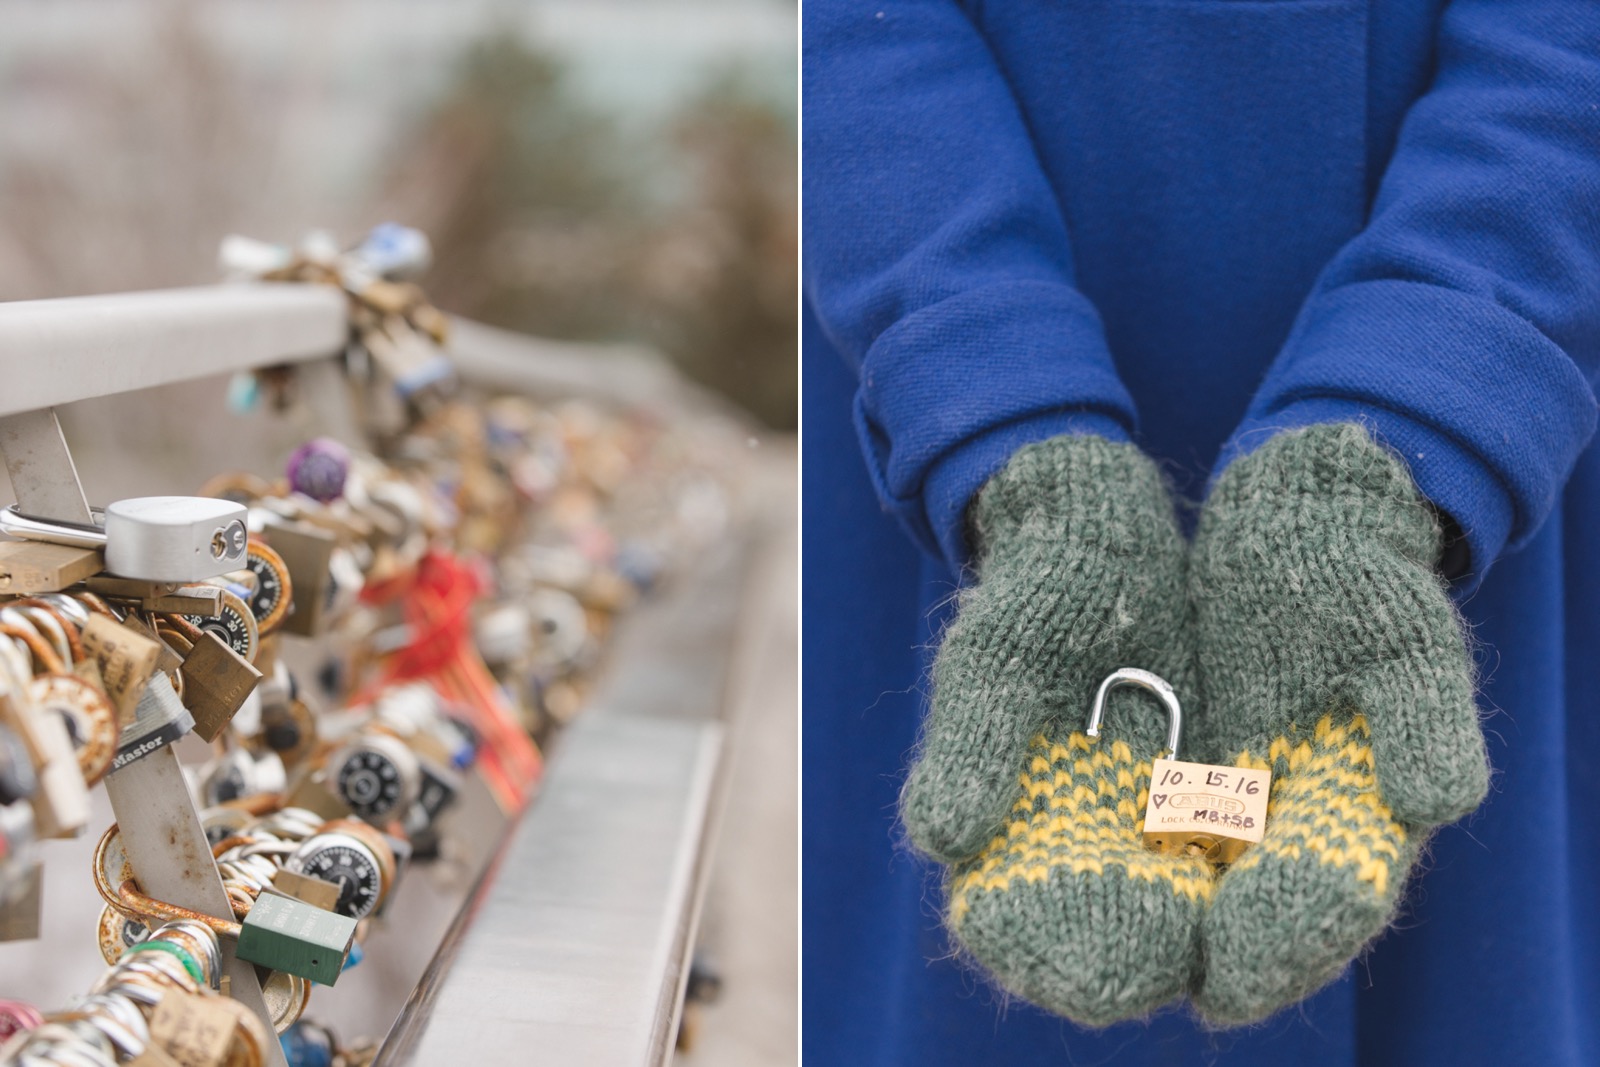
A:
[1330,653]
[1080,572]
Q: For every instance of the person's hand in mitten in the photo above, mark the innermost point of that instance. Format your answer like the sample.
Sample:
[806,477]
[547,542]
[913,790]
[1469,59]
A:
[1080,571]
[1330,653]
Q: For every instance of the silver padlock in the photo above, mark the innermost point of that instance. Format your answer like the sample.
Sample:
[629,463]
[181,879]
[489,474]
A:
[159,720]
[151,538]
[175,538]
[377,776]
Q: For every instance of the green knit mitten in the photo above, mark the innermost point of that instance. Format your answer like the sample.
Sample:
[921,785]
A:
[1330,653]
[1080,572]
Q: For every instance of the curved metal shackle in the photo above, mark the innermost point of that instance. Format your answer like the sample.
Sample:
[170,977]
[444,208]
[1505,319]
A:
[1150,683]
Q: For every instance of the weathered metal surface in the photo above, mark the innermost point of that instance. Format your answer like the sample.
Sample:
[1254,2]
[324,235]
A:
[43,477]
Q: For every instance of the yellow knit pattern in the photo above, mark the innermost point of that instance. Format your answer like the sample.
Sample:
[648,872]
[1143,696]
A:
[1081,810]
[1325,804]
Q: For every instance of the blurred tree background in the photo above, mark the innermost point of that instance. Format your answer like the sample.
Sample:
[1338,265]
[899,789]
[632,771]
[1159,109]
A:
[587,171]
[544,221]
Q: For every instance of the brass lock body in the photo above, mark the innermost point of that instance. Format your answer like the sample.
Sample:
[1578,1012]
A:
[1194,809]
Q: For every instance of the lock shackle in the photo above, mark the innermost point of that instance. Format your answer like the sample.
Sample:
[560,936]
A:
[1154,684]
[14,523]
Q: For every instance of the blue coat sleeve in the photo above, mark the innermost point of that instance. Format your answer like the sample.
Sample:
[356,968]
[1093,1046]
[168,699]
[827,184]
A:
[1463,323]
[937,260]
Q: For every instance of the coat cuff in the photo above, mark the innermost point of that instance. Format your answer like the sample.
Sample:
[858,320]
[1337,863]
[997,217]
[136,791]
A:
[949,392]
[1488,414]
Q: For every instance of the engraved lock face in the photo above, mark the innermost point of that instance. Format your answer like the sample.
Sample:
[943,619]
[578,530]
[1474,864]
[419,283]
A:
[1203,810]
[1193,809]
[175,538]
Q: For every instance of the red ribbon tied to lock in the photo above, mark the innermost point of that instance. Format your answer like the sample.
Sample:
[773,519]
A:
[436,602]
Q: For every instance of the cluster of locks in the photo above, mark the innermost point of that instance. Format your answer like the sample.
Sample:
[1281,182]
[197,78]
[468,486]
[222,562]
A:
[357,640]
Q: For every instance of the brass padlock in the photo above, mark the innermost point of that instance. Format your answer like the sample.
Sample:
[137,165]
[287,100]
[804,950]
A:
[1197,809]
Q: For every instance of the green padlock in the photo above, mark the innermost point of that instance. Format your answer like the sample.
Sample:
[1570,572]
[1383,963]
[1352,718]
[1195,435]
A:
[289,935]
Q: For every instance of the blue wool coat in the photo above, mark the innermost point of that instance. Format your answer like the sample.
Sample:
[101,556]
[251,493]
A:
[1189,223]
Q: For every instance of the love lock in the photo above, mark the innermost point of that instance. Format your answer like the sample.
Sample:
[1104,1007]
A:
[278,932]
[151,538]
[1194,809]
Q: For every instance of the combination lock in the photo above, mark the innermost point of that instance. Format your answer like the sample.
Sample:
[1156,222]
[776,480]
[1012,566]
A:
[270,601]
[234,627]
[377,776]
[346,862]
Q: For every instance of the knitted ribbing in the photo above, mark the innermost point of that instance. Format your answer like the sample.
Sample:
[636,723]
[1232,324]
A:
[1329,650]
[1080,572]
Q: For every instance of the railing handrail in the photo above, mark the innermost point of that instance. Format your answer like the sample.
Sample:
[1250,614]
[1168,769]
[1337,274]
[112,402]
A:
[55,352]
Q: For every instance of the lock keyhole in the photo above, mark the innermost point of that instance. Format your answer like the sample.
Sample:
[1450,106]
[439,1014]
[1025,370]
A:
[228,541]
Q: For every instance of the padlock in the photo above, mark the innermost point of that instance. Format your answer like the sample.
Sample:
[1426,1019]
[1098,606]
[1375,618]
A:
[159,719]
[438,790]
[349,862]
[175,538]
[285,934]
[206,1031]
[278,932]
[19,873]
[61,801]
[560,630]
[217,681]
[1193,808]
[127,661]
[309,888]
[288,994]
[154,538]
[306,552]
[76,698]
[274,589]
[234,625]
[153,596]
[288,727]
[377,776]
[28,567]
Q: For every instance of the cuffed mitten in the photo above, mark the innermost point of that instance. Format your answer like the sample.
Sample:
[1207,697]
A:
[1080,571]
[1330,653]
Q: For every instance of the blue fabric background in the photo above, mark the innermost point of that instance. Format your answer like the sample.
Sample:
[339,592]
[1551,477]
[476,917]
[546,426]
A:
[1190,222]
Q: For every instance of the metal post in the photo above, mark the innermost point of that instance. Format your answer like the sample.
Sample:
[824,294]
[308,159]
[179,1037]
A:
[161,831]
